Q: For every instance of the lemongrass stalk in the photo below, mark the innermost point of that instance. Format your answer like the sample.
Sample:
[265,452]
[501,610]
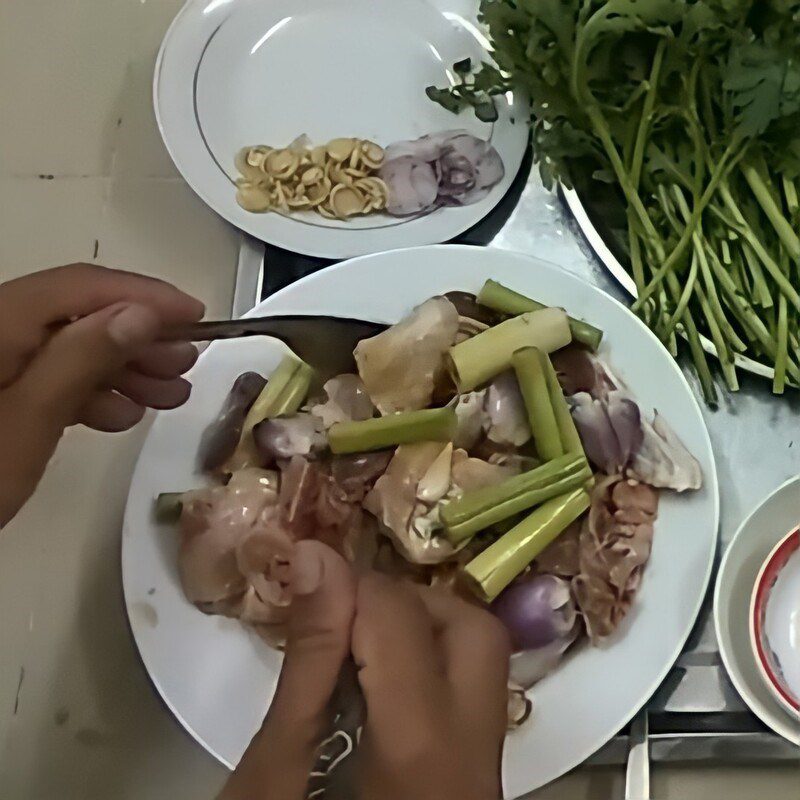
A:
[494,569]
[272,400]
[480,358]
[570,440]
[429,425]
[481,508]
[295,393]
[528,366]
[284,393]
[500,298]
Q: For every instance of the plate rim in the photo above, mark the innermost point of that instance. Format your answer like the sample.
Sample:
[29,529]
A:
[712,483]
[725,652]
[321,242]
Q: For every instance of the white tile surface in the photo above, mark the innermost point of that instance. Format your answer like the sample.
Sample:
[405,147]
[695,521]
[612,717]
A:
[78,718]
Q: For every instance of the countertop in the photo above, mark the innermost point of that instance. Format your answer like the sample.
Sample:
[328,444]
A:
[84,177]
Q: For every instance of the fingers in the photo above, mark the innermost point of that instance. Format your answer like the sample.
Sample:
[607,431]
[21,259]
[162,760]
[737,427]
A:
[49,395]
[278,760]
[110,412]
[393,640]
[32,306]
[476,649]
[323,604]
[401,671]
[165,360]
[153,392]
[84,356]
[62,293]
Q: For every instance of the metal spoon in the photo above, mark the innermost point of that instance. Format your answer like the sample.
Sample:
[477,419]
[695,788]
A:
[324,343]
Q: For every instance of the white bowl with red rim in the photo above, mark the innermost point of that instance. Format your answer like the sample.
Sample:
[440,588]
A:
[775,622]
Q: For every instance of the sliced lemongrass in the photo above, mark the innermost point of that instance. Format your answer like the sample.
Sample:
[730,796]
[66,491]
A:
[500,298]
[529,368]
[481,508]
[429,425]
[494,569]
[480,358]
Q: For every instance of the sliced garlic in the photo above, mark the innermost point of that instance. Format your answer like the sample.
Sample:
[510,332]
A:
[340,149]
[435,482]
[318,192]
[256,155]
[371,154]
[312,175]
[319,155]
[338,179]
[282,163]
[336,174]
[345,201]
[251,198]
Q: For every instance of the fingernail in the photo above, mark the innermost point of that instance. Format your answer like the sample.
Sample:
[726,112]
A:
[133,325]
[306,570]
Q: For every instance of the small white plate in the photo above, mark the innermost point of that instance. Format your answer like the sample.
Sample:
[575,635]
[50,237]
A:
[752,544]
[218,679]
[232,73]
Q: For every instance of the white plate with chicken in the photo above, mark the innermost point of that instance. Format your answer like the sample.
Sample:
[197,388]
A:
[519,435]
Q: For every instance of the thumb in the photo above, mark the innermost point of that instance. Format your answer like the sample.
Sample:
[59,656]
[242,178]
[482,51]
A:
[323,604]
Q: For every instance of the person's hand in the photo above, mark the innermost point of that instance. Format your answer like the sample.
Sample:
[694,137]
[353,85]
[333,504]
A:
[434,672]
[78,345]
[277,763]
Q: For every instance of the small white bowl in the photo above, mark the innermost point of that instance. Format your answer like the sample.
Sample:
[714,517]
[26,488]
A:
[775,622]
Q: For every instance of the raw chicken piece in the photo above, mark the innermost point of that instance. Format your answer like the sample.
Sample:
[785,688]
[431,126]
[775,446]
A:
[400,367]
[506,418]
[664,461]
[407,498]
[393,501]
[285,437]
[474,473]
[579,370]
[562,556]
[346,400]
[470,416]
[213,523]
[614,546]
